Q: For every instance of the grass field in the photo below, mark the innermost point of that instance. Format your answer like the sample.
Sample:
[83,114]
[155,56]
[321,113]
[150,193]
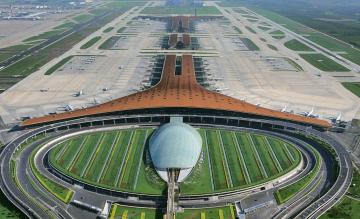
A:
[7,52]
[353,87]
[113,160]
[32,63]
[284,194]
[119,160]
[250,44]
[91,42]
[58,65]
[278,37]
[107,30]
[83,18]
[120,211]
[109,43]
[347,207]
[323,63]
[8,210]
[206,10]
[264,28]
[297,45]
[327,42]
[250,29]
[62,193]
[45,35]
[272,47]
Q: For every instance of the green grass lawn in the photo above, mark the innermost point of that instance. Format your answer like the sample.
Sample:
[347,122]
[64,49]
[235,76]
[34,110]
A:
[294,64]
[265,155]
[250,29]
[272,47]
[227,212]
[62,193]
[277,32]
[284,194]
[249,157]
[107,30]
[109,43]
[121,29]
[330,43]
[90,42]
[354,189]
[116,157]
[278,37]
[250,44]
[121,211]
[82,18]
[206,10]
[217,161]
[120,160]
[200,178]
[264,28]
[45,35]
[233,159]
[323,63]
[65,25]
[129,175]
[7,52]
[237,30]
[58,65]
[297,45]
[8,210]
[353,87]
[347,207]
[33,62]
[99,158]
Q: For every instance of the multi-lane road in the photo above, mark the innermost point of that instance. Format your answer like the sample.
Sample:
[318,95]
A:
[43,206]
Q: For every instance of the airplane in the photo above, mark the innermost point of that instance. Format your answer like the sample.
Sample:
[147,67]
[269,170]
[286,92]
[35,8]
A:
[284,109]
[335,120]
[307,113]
[221,89]
[67,107]
[310,114]
[78,94]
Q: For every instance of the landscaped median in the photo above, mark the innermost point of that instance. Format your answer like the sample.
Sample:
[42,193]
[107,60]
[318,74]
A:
[284,194]
[62,193]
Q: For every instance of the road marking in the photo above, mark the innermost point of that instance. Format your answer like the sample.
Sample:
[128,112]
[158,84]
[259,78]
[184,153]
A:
[140,159]
[110,153]
[209,161]
[85,170]
[278,166]
[224,158]
[76,154]
[257,155]
[242,159]
[117,178]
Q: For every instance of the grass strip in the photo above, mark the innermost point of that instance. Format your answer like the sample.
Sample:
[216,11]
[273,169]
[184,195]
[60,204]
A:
[91,42]
[61,192]
[58,65]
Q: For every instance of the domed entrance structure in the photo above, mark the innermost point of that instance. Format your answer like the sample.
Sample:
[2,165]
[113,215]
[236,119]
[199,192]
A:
[175,146]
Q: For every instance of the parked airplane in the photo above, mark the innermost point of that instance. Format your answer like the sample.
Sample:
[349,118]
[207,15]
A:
[335,120]
[221,89]
[78,94]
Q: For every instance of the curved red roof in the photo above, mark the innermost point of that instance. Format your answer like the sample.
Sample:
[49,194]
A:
[175,91]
